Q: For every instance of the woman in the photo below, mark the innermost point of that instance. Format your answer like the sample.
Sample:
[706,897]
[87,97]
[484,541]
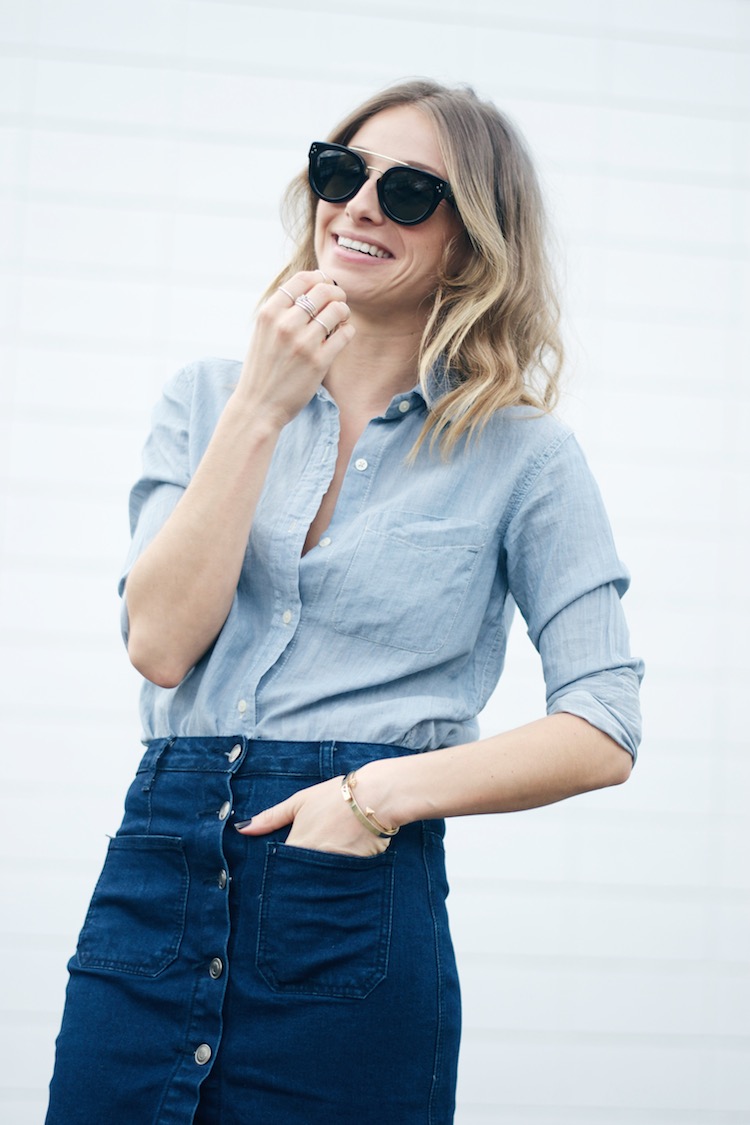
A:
[328,541]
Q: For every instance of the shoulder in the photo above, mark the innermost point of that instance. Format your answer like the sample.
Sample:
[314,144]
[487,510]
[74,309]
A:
[194,397]
[541,454]
[204,381]
[191,403]
[524,439]
[533,431]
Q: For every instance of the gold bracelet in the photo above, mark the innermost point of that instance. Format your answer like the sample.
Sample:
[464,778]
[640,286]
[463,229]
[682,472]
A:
[366,816]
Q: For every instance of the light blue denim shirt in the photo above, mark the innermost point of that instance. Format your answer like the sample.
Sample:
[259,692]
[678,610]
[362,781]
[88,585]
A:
[393,628]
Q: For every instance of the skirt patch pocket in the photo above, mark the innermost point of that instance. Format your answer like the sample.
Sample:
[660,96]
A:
[137,915]
[325,921]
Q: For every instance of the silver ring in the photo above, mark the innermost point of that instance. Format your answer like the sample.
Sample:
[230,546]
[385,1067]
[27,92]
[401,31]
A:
[325,327]
[286,293]
[324,275]
[305,303]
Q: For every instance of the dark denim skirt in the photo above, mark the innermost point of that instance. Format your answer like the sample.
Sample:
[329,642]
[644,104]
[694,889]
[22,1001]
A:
[222,979]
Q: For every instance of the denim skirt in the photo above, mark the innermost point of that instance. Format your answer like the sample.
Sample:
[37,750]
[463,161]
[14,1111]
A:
[221,979]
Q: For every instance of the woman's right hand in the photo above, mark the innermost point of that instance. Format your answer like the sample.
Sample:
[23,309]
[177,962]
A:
[292,350]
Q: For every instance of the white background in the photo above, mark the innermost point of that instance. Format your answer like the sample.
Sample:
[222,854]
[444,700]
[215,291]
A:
[144,144]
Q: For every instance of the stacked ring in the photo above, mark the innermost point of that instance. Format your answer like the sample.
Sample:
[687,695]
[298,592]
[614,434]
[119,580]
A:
[286,293]
[325,327]
[305,303]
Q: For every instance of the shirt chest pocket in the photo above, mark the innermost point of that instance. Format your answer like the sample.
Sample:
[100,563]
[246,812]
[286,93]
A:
[408,580]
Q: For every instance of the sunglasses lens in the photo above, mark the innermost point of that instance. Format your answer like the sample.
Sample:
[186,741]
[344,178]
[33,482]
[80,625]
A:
[409,196]
[406,195]
[335,175]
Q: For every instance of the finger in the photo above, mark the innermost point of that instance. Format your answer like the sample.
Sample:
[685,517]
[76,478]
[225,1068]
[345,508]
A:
[304,282]
[286,293]
[278,816]
[309,303]
[308,278]
[338,339]
[293,287]
[331,317]
[313,301]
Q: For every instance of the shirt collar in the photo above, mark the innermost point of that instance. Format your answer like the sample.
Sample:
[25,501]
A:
[438,382]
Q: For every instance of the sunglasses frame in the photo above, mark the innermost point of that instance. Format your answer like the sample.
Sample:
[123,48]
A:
[442,189]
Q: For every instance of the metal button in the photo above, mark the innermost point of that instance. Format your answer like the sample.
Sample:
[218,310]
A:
[202,1054]
[286,616]
[403,406]
[225,810]
[360,464]
[216,968]
[234,753]
[222,880]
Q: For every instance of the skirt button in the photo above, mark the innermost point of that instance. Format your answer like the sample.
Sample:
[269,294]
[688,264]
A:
[202,1054]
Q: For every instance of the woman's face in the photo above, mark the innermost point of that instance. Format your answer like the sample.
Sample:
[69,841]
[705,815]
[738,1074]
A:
[397,268]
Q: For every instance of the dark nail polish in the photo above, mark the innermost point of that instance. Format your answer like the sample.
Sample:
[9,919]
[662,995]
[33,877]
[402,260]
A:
[242,823]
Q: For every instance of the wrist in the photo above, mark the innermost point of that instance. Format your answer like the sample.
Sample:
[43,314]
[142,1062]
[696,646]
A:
[364,814]
[255,418]
[384,785]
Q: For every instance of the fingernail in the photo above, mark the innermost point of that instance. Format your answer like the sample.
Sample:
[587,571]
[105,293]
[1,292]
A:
[242,823]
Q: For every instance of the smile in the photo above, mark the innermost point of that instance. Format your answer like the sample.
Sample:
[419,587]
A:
[362,247]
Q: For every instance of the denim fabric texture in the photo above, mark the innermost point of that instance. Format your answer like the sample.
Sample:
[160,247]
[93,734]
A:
[222,979]
[393,629]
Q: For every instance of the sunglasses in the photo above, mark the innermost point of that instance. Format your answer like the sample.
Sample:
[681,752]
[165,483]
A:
[406,195]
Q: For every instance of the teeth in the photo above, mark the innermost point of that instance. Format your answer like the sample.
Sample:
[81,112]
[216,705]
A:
[362,247]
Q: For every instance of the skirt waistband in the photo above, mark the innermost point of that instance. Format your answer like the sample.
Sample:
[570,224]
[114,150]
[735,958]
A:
[244,756]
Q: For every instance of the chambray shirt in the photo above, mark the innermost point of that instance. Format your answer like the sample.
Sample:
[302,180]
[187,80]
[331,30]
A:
[393,628]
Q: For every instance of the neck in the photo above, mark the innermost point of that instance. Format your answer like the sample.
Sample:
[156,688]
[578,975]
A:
[376,365]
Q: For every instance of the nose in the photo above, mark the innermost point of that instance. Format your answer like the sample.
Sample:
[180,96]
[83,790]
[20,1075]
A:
[365,205]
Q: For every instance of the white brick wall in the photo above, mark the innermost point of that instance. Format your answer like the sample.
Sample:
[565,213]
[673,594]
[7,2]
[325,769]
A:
[605,942]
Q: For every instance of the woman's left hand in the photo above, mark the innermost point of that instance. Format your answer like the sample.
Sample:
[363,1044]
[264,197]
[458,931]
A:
[320,820]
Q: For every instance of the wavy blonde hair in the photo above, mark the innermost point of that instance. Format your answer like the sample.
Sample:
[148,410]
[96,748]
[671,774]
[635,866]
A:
[493,329]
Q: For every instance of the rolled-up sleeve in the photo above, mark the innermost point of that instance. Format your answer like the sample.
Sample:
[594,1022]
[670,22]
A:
[165,475]
[567,581]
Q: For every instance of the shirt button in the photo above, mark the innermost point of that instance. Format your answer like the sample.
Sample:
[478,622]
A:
[222,880]
[325,541]
[360,464]
[225,810]
[403,406]
[242,707]
[235,752]
[202,1054]
[216,968]
[286,616]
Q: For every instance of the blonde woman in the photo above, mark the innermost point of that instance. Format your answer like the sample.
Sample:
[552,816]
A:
[328,542]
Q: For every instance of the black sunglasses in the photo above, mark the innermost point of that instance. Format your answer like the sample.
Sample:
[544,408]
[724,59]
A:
[407,195]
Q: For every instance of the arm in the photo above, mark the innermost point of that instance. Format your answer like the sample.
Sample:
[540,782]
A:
[537,764]
[180,589]
[567,580]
